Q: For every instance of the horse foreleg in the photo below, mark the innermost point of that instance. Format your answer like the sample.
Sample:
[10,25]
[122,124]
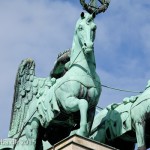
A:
[140,135]
[83,107]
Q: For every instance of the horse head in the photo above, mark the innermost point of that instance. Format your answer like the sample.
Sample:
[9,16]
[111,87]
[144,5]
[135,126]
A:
[85,31]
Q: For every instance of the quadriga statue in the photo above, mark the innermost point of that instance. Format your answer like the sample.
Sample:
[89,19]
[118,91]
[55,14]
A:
[66,100]
[122,125]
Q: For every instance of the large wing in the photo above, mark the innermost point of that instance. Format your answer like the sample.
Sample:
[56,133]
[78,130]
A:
[27,88]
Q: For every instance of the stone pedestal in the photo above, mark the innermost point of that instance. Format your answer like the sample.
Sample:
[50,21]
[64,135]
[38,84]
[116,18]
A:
[80,143]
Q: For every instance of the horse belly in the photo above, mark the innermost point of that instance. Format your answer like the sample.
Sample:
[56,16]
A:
[87,81]
[93,96]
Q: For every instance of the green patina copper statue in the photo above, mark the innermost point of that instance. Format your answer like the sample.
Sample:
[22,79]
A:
[122,125]
[64,103]
[52,108]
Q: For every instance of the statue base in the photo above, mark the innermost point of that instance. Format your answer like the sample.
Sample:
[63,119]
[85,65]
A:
[76,142]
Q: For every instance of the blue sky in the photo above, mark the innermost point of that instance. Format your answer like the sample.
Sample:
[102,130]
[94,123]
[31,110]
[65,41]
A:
[40,29]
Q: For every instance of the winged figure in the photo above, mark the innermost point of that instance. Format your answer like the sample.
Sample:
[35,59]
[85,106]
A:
[28,88]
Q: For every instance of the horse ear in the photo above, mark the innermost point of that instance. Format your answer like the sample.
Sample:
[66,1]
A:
[82,15]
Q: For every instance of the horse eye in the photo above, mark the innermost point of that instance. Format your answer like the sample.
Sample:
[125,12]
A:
[80,28]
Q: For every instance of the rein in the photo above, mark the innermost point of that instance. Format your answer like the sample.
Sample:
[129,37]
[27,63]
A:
[109,87]
[121,90]
[75,59]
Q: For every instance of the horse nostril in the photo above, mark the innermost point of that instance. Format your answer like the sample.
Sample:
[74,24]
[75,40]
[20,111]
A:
[85,44]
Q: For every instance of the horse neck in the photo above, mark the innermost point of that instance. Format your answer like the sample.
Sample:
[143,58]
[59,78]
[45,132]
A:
[78,57]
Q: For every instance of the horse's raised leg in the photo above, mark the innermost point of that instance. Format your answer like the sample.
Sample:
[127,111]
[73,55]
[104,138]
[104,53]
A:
[74,104]
[68,96]
[140,135]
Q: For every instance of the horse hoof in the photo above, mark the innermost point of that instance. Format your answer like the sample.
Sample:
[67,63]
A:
[82,133]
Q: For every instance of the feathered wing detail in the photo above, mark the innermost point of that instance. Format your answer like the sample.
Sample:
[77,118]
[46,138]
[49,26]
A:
[27,88]
[23,95]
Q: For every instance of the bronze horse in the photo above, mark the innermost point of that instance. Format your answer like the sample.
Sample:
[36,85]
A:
[122,125]
[70,100]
